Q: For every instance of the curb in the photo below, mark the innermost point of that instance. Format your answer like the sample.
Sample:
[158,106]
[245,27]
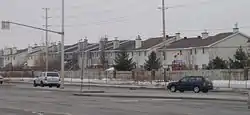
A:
[61,90]
[157,97]
[4,85]
[89,91]
[103,86]
[57,90]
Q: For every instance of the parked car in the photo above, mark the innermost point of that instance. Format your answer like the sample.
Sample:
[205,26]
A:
[1,79]
[47,79]
[191,83]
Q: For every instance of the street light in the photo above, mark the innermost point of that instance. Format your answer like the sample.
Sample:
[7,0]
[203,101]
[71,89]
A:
[6,26]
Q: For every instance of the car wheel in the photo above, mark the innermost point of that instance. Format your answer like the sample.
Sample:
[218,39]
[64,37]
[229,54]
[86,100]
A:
[34,84]
[196,89]
[173,88]
[50,86]
[1,82]
[205,91]
[58,86]
[182,91]
[42,85]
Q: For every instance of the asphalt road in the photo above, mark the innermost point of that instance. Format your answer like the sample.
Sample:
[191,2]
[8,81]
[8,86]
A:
[20,101]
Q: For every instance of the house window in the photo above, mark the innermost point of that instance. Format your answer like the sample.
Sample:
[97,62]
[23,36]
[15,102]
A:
[132,53]
[180,52]
[139,53]
[204,66]
[195,51]
[203,50]
[8,58]
[191,51]
[145,53]
[14,57]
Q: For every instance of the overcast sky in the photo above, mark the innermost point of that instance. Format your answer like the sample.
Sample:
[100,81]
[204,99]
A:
[124,19]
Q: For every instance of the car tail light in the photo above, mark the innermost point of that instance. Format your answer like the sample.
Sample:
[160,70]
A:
[45,78]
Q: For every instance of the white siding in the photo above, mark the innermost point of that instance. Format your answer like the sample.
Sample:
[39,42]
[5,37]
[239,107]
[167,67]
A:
[227,48]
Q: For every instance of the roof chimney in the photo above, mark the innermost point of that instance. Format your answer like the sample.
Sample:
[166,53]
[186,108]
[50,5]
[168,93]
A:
[29,49]
[102,43]
[204,34]
[236,29]
[138,42]
[85,43]
[59,45]
[178,36]
[116,43]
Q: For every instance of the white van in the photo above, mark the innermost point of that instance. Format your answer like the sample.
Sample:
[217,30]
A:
[47,79]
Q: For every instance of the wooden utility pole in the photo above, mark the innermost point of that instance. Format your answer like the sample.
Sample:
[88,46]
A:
[163,19]
[46,38]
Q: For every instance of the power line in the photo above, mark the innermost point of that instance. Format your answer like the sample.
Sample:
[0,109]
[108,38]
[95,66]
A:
[111,20]
[193,4]
[213,29]
[94,13]
[107,21]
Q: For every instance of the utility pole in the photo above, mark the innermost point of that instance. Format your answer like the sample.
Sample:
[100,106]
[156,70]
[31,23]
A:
[163,19]
[62,48]
[46,38]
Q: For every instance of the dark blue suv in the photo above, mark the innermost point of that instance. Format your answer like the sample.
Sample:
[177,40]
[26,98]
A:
[191,83]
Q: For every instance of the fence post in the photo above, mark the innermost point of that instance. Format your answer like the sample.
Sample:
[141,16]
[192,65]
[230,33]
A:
[229,82]
[71,77]
[106,76]
[248,103]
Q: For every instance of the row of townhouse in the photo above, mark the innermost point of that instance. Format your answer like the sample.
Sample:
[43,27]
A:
[195,52]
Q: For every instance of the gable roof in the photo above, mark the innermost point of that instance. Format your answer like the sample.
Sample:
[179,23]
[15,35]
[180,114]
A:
[22,50]
[198,41]
[153,41]
[129,45]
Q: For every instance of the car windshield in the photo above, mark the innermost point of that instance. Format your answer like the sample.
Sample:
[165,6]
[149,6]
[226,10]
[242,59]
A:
[53,74]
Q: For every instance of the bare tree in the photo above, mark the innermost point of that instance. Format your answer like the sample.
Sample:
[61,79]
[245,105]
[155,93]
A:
[54,64]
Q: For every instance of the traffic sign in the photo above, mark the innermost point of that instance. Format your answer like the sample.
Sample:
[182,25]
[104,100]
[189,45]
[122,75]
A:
[5,25]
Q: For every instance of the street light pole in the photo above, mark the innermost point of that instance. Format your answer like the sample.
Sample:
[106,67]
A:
[62,48]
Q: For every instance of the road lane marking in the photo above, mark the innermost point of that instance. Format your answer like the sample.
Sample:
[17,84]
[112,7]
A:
[166,99]
[44,91]
[125,101]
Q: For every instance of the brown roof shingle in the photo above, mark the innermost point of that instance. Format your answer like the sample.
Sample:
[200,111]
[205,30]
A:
[198,41]
[152,42]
